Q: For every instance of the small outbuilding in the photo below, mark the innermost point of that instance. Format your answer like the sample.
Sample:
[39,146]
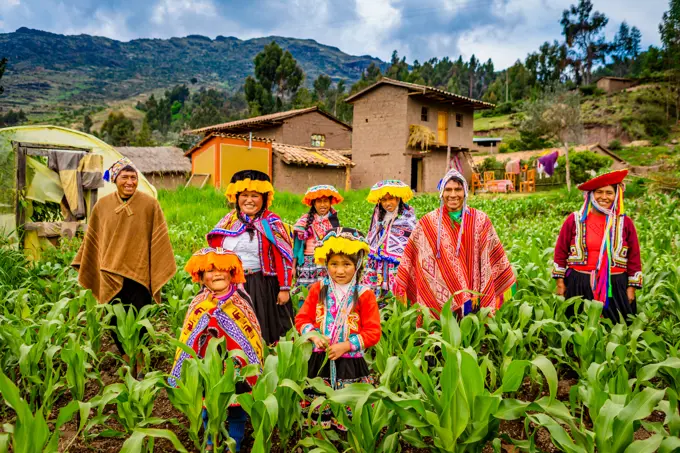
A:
[614,84]
[486,144]
[293,168]
[166,167]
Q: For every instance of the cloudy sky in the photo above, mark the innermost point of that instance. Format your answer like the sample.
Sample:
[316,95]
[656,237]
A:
[503,30]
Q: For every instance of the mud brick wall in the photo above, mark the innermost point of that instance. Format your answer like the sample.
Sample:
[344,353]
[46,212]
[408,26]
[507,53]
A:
[380,133]
[297,179]
[298,130]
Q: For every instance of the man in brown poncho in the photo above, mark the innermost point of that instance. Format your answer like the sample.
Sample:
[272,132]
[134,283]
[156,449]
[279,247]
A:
[126,254]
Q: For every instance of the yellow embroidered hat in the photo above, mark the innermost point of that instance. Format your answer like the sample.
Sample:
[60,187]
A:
[393,187]
[252,180]
[347,241]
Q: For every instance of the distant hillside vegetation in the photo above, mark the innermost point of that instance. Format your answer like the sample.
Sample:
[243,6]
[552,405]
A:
[48,69]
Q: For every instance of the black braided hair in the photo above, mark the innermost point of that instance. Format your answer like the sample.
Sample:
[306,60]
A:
[382,212]
[355,258]
[310,217]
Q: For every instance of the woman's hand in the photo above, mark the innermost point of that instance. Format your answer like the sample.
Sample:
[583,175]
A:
[320,342]
[337,350]
[631,294]
[561,287]
[283,298]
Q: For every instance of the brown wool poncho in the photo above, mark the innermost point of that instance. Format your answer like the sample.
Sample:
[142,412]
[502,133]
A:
[125,240]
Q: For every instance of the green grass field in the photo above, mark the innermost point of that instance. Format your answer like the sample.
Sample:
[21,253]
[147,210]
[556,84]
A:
[529,379]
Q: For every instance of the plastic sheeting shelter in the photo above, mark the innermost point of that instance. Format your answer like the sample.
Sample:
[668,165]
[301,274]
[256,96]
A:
[40,183]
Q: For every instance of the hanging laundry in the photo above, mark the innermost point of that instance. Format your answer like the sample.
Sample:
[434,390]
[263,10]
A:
[513,166]
[548,163]
[77,171]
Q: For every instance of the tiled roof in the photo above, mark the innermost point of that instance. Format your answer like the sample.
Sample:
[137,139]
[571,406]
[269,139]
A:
[303,155]
[264,120]
[243,137]
[430,92]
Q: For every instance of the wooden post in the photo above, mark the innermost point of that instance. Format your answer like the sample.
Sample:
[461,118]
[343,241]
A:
[348,181]
[448,157]
[566,157]
[20,212]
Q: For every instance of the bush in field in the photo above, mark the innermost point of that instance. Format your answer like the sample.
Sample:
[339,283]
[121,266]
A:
[583,165]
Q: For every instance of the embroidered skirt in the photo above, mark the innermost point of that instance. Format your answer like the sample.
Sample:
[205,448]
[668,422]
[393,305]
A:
[380,276]
[349,371]
[308,272]
[578,284]
[275,320]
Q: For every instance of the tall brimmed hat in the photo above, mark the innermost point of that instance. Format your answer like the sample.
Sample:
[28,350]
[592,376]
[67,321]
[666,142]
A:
[347,241]
[393,187]
[114,170]
[210,258]
[316,192]
[607,179]
[252,180]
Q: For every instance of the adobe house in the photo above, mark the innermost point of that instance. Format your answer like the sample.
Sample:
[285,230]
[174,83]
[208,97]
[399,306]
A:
[301,127]
[165,167]
[614,84]
[293,168]
[383,114]
[488,145]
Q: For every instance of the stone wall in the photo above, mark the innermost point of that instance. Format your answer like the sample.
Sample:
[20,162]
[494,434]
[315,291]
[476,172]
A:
[380,133]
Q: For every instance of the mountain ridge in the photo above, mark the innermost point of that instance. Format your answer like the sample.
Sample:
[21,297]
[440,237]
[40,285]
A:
[47,69]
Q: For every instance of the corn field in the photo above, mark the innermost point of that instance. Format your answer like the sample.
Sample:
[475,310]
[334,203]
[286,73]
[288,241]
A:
[528,379]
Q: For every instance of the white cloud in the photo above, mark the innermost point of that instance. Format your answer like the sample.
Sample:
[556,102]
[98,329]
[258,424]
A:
[371,33]
[170,10]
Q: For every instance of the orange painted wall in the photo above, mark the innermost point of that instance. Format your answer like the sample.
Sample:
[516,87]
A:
[221,157]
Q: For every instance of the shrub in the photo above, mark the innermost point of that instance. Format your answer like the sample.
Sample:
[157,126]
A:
[582,165]
[615,145]
[591,90]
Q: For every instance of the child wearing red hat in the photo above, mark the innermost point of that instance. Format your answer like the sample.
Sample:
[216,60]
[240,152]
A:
[597,255]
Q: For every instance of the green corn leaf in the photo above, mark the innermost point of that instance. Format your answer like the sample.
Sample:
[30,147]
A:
[135,443]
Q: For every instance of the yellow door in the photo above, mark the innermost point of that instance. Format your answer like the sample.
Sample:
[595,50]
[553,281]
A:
[442,128]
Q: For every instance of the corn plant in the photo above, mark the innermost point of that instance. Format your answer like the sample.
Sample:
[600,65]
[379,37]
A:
[291,363]
[187,397]
[30,432]
[373,426]
[142,440]
[134,402]
[92,317]
[219,383]
[75,356]
[129,326]
[262,406]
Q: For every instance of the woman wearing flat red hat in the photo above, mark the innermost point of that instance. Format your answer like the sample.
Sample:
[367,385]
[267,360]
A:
[597,255]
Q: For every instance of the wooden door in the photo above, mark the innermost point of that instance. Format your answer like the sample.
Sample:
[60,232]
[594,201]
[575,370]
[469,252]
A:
[417,174]
[442,128]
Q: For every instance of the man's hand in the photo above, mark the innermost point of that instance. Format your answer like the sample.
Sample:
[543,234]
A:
[337,350]
[283,297]
[561,287]
[631,294]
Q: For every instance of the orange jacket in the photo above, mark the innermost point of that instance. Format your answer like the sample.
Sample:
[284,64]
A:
[363,321]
